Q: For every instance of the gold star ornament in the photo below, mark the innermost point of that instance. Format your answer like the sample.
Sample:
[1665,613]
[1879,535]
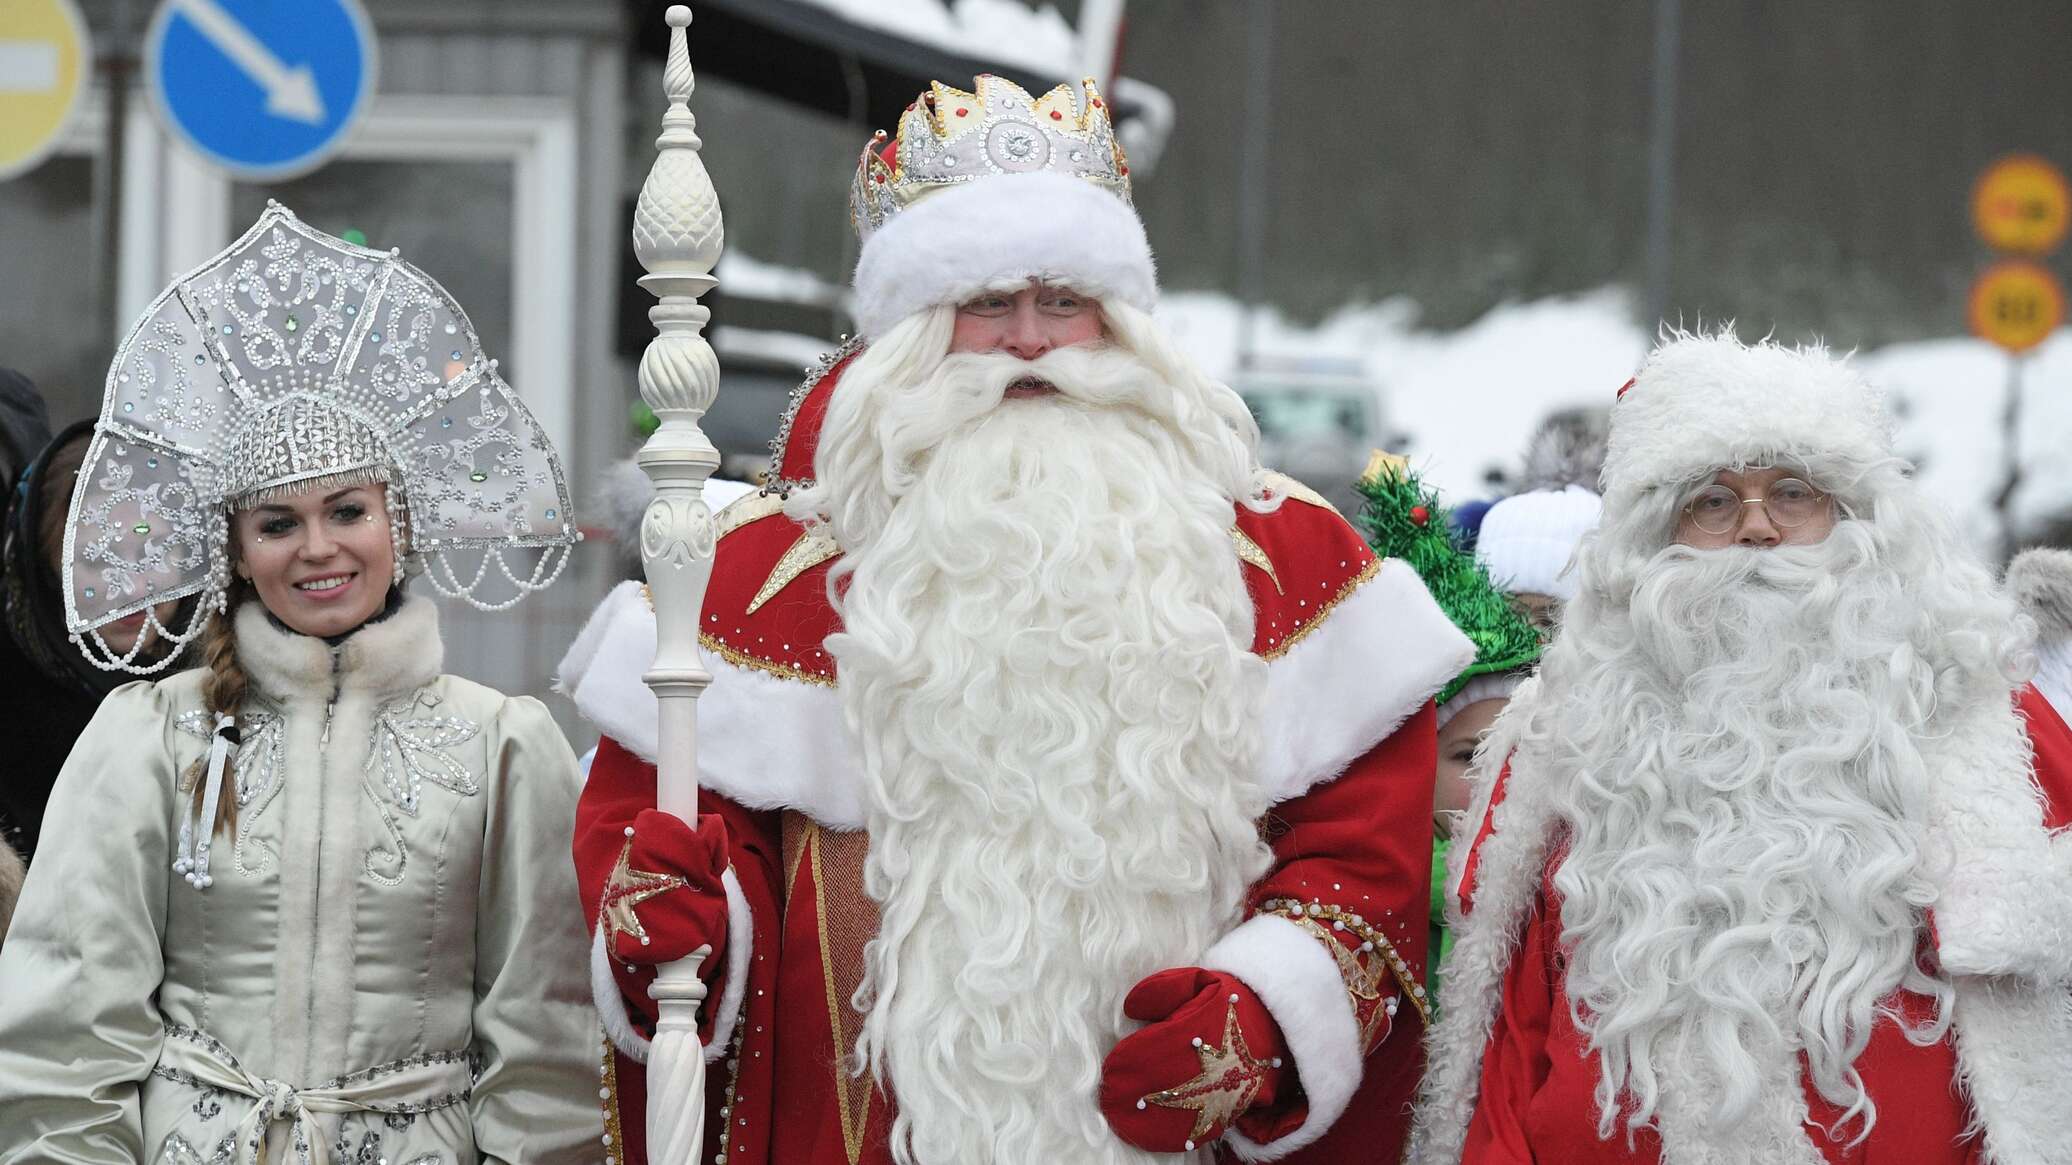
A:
[1229,1082]
[628,888]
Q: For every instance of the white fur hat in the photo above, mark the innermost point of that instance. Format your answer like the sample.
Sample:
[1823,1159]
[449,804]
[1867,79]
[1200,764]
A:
[1527,540]
[1704,403]
[1008,228]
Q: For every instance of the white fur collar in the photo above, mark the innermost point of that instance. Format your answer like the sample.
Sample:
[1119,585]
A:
[396,655]
[771,742]
[2003,922]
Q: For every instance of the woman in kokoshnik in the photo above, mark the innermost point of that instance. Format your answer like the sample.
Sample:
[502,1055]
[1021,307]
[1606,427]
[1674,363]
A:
[311,901]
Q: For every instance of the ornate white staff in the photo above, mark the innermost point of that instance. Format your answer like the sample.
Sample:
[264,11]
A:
[677,235]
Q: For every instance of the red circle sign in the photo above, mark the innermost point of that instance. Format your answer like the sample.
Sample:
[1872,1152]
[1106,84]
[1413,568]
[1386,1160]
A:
[2022,204]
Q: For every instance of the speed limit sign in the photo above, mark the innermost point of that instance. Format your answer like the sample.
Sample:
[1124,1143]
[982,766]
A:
[2016,304]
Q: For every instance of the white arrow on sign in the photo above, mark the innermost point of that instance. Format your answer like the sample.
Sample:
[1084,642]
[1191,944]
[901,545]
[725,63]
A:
[290,93]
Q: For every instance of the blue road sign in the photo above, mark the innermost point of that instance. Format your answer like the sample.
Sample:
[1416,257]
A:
[266,89]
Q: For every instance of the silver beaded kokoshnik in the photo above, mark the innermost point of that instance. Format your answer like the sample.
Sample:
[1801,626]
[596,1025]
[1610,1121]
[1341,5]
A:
[293,360]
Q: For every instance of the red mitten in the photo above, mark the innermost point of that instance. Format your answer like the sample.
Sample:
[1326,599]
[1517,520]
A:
[664,898]
[1211,1053]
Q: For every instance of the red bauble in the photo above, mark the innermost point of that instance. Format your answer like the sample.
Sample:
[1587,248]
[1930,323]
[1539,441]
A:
[1419,515]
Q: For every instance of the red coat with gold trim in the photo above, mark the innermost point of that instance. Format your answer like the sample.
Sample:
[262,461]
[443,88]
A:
[1334,942]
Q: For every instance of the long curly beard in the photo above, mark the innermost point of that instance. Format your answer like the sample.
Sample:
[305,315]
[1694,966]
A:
[1744,788]
[1046,661]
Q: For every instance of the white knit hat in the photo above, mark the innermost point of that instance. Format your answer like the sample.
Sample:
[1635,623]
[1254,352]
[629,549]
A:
[1704,403]
[1528,540]
[1490,687]
[993,187]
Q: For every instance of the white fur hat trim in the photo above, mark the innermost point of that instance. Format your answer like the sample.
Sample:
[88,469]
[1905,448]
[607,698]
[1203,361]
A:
[955,243]
[1703,403]
[1529,539]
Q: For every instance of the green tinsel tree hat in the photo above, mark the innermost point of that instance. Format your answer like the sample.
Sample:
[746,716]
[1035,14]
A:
[1400,518]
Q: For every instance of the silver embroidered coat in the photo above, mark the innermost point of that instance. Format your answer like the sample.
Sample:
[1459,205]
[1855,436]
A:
[388,967]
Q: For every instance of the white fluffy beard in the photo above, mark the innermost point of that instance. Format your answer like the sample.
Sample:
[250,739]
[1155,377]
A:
[1046,662]
[1743,783]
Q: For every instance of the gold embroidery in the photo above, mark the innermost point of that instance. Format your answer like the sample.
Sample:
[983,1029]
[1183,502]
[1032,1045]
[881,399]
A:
[1229,1082]
[608,1099]
[741,658]
[812,548]
[745,509]
[1255,554]
[1352,584]
[627,888]
[843,959]
[1363,984]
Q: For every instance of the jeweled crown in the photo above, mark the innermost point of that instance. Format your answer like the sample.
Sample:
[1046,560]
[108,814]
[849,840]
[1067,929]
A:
[948,136]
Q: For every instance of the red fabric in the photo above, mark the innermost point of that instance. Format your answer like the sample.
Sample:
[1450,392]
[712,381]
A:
[1183,1006]
[2052,740]
[1471,864]
[1364,842]
[619,790]
[1315,556]
[808,415]
[1537,1100]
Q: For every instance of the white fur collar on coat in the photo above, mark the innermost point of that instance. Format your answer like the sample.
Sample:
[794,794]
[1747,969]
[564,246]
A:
[2003,928]
[775,742]
[395,655]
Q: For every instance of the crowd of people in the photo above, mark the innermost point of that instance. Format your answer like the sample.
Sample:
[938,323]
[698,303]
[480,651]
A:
[1073,787]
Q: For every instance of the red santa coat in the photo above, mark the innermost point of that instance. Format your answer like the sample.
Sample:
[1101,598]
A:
[1355,648]
[1534,1092]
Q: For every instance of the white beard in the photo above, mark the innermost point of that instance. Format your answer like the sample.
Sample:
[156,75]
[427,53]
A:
[1046,662]
[1740,765]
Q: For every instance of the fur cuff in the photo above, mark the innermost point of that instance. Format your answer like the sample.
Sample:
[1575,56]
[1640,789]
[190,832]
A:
[1299,983]
[957,242]
[618,1023]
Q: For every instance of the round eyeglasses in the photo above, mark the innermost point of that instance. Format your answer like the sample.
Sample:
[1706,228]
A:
[1789,502]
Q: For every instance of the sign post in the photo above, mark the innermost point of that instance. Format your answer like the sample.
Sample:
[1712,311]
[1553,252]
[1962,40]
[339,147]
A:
[45,57]
[264,90]
[2021,205]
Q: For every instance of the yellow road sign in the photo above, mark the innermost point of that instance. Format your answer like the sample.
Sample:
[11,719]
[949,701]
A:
[44,61]
[2022,204]
[2016,304]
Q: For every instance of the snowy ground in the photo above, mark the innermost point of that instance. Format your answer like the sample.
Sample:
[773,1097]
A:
[1469,399]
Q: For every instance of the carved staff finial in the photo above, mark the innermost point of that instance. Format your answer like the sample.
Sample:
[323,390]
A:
[677,236]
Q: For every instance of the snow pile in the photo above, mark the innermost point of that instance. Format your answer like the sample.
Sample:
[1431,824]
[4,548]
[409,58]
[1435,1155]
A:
[1008,31]
[1460,403]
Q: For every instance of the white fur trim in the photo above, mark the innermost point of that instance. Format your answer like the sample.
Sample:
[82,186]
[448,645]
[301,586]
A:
[1298,981]
[2054,676]
[763,741]
[618,1022]
[611,1010]
[1704,402]
[2041,581]
[2005,907]
[2014,1054]
[959,241]
[1355,678]
[740,941]
[773,743]
[1528,541]
[1482,687]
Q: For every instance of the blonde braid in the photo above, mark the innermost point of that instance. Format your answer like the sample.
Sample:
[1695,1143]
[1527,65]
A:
[222,691]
